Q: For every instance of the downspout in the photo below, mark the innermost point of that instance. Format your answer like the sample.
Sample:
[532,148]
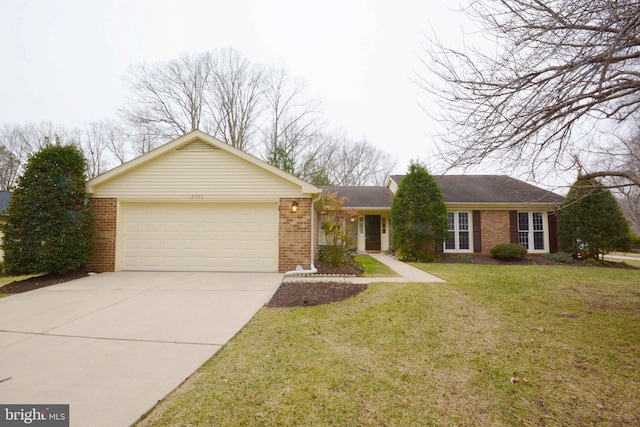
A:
[313,269]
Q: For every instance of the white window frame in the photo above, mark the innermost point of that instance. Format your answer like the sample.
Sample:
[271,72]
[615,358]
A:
[531,231]
[456,230]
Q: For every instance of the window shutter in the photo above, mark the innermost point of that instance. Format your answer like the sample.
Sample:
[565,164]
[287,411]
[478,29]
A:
[553,232]
[477,232]
[513,224]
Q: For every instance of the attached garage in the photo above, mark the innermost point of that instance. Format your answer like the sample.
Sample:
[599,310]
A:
[200,236]
[198,204]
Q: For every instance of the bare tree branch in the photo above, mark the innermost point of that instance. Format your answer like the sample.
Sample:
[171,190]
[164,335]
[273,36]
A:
[612,173]
[292,124]
[236,97]
[168,99]
[557,65]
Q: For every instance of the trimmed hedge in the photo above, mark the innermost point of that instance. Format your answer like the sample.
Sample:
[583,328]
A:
[508,251]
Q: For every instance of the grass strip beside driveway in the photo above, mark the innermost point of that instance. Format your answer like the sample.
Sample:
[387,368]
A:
[495,345]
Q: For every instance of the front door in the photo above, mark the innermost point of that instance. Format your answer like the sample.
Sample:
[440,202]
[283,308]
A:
[372,232]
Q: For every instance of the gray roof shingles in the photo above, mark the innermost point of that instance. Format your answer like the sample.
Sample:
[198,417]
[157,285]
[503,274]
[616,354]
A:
[490,189]
[456,189]
[363,196]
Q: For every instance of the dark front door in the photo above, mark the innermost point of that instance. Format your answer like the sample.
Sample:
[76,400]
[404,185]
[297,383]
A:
[372,232]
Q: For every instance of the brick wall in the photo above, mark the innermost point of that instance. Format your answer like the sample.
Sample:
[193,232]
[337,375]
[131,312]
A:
[294,235]
[495,229]
[106,216]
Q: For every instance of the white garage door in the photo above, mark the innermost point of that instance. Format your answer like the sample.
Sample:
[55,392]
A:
[200,237]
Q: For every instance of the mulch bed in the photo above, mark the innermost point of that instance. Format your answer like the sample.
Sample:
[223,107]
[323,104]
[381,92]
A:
[302,294]
[40,282]
[346,270]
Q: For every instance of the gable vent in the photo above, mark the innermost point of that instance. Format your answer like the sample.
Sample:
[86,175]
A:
[198,146]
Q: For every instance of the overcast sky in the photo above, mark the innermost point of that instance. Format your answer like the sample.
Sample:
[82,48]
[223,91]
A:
[63,61]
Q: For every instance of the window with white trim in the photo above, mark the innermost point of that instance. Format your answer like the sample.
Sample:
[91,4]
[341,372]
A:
[458,232]
[532,231]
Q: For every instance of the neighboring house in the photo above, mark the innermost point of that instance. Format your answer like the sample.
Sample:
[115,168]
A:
[5,196]
[483,210]
[197,203]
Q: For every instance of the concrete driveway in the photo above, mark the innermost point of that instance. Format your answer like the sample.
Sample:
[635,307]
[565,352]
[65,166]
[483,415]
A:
[114,344]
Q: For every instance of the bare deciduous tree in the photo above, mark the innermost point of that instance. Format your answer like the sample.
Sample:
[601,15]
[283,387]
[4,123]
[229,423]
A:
[558,65]
[89,140]
[292,122]
[168,99]
[13,153]
[116,140]
[624,155]
[630,204]
[218,92]
[18,141]
[104,145]
[38,134]
[9,166]
[236,97]
[342,161]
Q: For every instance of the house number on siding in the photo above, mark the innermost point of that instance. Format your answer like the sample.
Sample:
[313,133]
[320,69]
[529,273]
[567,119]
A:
[197,196]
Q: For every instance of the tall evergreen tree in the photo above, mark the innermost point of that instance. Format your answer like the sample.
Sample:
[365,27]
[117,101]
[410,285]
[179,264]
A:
[592,223]
[418,215]
[49,225]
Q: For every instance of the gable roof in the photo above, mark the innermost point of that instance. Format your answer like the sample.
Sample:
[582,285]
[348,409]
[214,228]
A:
[363,196]
[5,196]
[193,136]
[499,189]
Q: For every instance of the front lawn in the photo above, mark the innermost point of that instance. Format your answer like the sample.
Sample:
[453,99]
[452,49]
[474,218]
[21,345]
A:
[374,268]
[495,345]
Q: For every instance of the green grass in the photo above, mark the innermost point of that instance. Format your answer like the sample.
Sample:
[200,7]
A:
[374,268]
[434,354]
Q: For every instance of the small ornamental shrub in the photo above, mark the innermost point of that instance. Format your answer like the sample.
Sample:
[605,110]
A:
[562,257]
[338,227]
[508,251]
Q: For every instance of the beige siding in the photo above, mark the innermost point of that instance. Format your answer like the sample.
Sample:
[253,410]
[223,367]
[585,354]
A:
[198,171]
[1,251]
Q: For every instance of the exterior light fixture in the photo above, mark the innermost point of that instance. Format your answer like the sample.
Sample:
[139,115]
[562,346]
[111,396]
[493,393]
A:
[294,207]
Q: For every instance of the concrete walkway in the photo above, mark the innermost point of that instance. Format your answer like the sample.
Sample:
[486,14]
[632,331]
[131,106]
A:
[407,273]
[112,345]
[624,257]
